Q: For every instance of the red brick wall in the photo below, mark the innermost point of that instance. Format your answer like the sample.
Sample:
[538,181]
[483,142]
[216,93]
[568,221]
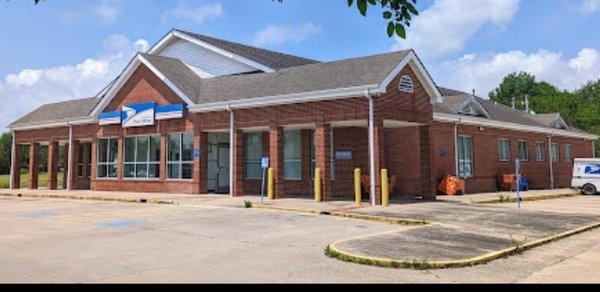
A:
[487,166]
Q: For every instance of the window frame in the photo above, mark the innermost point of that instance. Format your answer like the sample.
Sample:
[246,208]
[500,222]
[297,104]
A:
[107,163]
[180,162]
[555,150]
[500,158]
[569,155]
[543,149]
[527,154]
[298,160]
[313,156]
[464,161]
[148,163]
[248,161]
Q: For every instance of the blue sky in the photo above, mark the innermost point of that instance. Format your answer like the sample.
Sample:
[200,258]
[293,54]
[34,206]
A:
[69,49]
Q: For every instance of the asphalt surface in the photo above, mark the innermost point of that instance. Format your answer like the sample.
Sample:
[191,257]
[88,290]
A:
[85,241]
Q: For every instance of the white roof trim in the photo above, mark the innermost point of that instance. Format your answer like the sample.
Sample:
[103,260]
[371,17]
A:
[300,97]
[129,70]
[560,122]
[177,34]
[474,101]
[52,124]
[412,60]
[477,121]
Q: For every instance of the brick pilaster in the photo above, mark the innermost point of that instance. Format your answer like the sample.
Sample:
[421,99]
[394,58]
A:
[34,163]
[65,165]
[276,158]
[428,183]
[379,156]
[52,165]
[201,163]
[238,163]
[323,157]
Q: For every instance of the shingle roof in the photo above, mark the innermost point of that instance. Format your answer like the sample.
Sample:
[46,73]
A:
[271,59]
[59,111]
[177,72]
[369,70]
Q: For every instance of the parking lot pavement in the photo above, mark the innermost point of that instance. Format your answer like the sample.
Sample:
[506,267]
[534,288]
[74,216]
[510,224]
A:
[84,241]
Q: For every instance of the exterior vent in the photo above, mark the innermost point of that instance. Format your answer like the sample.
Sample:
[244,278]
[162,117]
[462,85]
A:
[406,84]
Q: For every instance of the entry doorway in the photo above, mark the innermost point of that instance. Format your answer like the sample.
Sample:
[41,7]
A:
[218,163]
[84,165]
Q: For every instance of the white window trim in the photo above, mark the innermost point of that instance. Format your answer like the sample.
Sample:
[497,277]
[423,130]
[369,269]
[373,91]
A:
[107,164]
[569,158]
[181,162]
[526,150]
[537,158]
[500,158]
[472,160]
[135,163]
[557,153]
[246,160]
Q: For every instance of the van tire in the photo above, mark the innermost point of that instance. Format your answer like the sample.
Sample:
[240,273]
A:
[588,190]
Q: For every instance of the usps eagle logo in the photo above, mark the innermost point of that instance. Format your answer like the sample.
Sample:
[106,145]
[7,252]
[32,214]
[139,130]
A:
[592,169]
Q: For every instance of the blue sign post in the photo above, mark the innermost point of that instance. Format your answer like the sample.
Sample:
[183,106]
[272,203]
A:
[264,164]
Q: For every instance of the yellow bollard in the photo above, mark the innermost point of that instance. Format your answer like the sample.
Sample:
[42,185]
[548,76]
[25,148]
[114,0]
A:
[270,184]
[357,189]
[385,188]
[318,194]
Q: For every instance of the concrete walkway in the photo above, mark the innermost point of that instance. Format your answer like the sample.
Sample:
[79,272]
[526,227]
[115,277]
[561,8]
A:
[497,197]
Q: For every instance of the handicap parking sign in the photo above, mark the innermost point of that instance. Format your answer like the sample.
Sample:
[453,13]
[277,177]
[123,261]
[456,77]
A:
[264,162]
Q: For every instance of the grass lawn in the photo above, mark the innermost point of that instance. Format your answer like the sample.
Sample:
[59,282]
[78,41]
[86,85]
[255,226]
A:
[42,180]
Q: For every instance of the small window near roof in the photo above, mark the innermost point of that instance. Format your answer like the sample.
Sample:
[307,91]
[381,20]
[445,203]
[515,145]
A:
[406,84]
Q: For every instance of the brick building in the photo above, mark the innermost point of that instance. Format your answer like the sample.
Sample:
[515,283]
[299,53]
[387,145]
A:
[196,114]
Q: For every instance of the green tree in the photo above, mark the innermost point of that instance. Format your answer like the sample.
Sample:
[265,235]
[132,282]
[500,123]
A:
[5,152]
[514,85]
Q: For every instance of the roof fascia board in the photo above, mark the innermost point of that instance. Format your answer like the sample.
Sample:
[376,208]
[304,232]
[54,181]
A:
[417,66]
[52,124]
[176,34]
[301,97]
[136,62]
[473,100]
[448,118]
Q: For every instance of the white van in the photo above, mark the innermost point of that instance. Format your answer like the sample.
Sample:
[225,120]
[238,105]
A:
[586,175]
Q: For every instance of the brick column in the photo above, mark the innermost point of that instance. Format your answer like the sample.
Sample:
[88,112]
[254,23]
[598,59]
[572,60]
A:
[200,163]
[238,163]
[65,165]
[276,158]
[52,165]
[94,166]
[428,179]
[34,159]
[379,156]
[16,166]
[323,157]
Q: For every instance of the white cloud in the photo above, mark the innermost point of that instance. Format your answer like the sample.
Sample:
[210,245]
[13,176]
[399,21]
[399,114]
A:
[485,72]
[197,13]
[30,88]
[447,25]
[590,6]
[277,34]
[108,14]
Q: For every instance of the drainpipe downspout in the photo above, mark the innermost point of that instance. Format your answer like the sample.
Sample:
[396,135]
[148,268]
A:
[372,170]
[12,159]
[70,158]
[550,153]
[456,147]
[231,152]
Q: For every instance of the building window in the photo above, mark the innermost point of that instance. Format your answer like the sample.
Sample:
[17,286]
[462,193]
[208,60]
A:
[253,155]
[292,155]
[142,157]
[180,156]
[406,84]
[523,151]
[504,149]
[465,156]
[540,151]
[569,153]
[555,153]
[80,155]
[107,158]
[313,154]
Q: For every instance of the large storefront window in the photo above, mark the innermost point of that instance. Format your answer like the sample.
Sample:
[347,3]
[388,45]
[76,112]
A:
[465,156]
[107,158]
[181,156]
[142,157]
[253,155]
[292,155]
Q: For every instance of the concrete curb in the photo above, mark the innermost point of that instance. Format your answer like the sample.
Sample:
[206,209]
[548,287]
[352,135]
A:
[91,198]
[334,252]
[358,216]
[528,198]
